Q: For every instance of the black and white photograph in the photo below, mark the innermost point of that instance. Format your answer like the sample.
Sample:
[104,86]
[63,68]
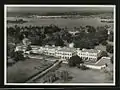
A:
[59,45]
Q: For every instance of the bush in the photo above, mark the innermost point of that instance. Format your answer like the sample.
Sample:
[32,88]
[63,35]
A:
[111,60]
[83,67]
[28,48]
[104,54]
[78,66]
[62,75]
[10,50]
[104,43]
[19,56]
[74,60]
[50,77]
[109,48]
[110,37]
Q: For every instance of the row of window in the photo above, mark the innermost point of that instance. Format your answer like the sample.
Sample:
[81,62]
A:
[87,54]
[58,54]
[64,54]
[64,57]
[69,54]
[88,58]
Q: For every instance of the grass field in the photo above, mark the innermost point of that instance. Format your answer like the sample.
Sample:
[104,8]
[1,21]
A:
[22,70]
[85,76]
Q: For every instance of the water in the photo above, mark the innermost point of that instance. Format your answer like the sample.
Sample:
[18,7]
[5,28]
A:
[61,22]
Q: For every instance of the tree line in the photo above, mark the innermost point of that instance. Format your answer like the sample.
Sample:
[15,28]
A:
[87,37]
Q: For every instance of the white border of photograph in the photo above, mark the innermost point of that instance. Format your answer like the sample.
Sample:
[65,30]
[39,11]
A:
[88,84]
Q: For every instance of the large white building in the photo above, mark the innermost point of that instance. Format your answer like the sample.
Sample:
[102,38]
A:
[21,48]
[107,20]
[60,52]
[64,53]
[49,50]
[89,54]
[73,32]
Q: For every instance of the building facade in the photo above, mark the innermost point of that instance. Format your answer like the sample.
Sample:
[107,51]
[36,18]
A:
[89,54]
[64,53]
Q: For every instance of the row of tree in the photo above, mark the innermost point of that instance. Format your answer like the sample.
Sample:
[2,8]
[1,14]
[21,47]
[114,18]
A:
[76,61]
[16,55]
[87,37]
[19,21]
[92,38]
[57,75]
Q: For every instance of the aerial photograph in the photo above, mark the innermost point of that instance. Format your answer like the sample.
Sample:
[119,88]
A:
[59,44]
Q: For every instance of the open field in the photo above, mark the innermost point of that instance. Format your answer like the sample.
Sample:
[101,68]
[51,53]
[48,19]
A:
[85,76]
[22,70]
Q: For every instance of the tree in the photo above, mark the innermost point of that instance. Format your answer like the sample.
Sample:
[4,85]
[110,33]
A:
[110,37]
[109,48]
[84,43]
[18,56]
[65,75]
[28,48]
[111,60]
[91,29]
[104,43]
[104,54]
[51,29]
[101,34]
[74,60]
[10,50]
[59,42]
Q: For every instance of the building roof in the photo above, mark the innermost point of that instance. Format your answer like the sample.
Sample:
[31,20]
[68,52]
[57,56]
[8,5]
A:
[65,49]
[50,47]
[21,47]
[90,50]
[103,61]
[71,45]
[100,62]
[35,46]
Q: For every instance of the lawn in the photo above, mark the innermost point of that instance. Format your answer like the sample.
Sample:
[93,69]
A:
[85,76]
[22,70]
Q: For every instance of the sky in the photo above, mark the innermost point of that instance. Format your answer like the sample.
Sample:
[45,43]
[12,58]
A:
[57,9]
